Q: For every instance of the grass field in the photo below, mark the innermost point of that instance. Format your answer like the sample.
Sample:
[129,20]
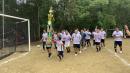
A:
[89,61]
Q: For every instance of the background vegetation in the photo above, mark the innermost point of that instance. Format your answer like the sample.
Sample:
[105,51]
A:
[71,14]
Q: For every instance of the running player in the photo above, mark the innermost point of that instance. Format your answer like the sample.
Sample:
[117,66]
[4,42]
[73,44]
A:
[118,35]
[76,37]
[83,35]
[63,37]
[88,36]
[67,41]
[93,37]
[103,34]
[97,37]
[55,38]
[60,48]
[44,39]
[49,46]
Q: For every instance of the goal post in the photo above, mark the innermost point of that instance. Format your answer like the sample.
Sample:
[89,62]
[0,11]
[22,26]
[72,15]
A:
[16,23]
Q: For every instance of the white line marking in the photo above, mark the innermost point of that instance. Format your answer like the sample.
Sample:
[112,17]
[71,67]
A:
[123,60]
[12,59]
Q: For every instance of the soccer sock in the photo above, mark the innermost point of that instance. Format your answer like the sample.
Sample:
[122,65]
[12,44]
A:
[104,44]
[120,49]
[99,48]
[69,49]
[49,55]
[62,55]
[59,57]
[115,50]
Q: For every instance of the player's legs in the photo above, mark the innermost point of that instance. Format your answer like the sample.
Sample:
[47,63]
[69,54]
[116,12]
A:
[98,46]
[78,47]
[67,45]
[49,51]
[89,43]
[103,43]
[75,49]
[55,45]
[120,45]
[59,55]
[67,49]
[93,42]
[43,44]
[115,46]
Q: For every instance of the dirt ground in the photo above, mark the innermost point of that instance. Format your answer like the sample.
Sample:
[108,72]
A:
[89,61]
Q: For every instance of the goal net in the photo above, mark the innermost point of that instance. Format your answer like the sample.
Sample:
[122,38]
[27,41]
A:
[14,35]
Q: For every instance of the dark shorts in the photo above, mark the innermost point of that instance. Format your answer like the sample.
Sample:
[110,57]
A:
[87,40]
[63,42]
[94,42]
[48,46]
[117,43]
[97,43]
[102,40]
[60,52]
[76,45]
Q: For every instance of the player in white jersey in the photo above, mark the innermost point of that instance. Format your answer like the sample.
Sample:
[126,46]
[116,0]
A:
[60,48]
[83,41]
[93,37]
[44,39]
[76,42]
[97,38]
[103,34]
[88,37]
[118,35]
[63,37]
[67,41]
[55,38]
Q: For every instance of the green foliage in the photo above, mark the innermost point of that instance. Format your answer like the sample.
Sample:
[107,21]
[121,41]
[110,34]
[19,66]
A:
[72,14]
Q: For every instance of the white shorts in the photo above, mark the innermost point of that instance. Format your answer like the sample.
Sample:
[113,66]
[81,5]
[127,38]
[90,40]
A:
[67,44]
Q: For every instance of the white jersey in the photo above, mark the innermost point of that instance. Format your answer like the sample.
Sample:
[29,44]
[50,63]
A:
[97,37]
[88,35]
[93,35]
[76,38]
[103,34]
[67,40]
[118,35]
[63,36]
[59,45]
[44,37]
[55,37]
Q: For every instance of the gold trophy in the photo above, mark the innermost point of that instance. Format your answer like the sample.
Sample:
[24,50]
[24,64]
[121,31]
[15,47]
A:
[49,26]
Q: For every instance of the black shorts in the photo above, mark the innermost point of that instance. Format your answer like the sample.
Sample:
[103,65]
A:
[63,42]
[97,43]
[117,43]
[94,42]
[102,40]
[87,40]
[76,45]
[60,52]
[48,46]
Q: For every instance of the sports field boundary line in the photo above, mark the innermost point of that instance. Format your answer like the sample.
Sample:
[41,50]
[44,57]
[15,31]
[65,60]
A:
[119,57]
[12,59]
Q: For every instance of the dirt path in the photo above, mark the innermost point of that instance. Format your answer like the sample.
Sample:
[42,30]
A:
[87,62]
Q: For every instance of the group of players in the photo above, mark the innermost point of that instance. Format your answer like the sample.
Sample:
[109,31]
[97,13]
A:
[80,39]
